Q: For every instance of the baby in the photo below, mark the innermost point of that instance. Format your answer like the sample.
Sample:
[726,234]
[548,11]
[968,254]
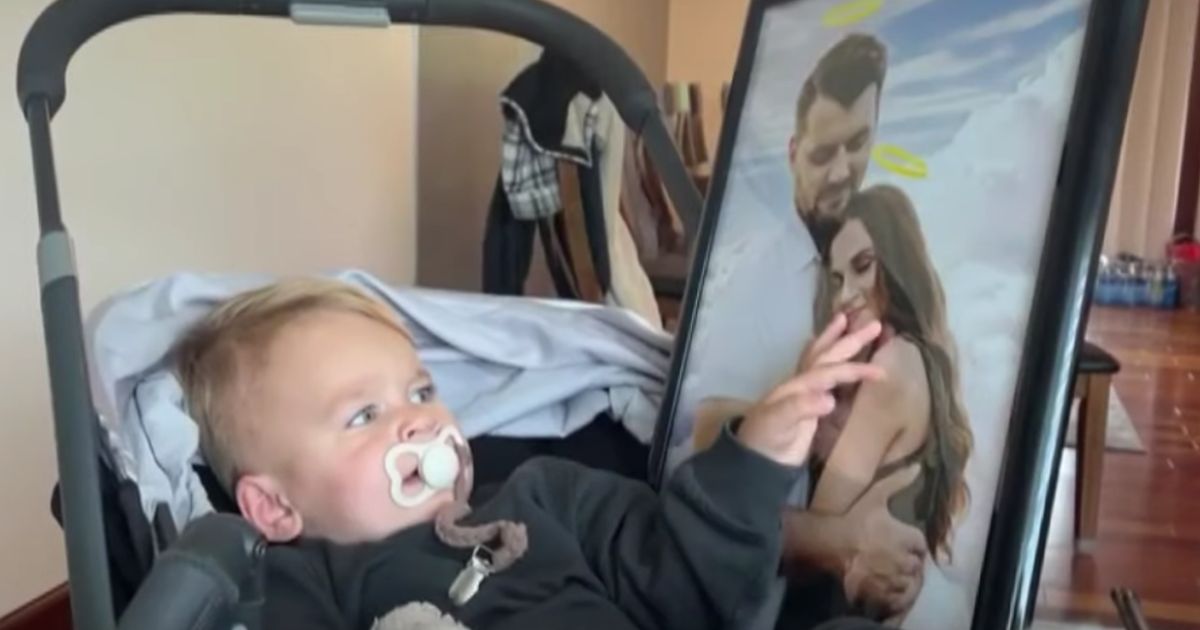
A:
[317,417]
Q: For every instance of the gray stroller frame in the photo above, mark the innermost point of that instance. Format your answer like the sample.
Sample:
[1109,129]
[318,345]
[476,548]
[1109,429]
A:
[211,576]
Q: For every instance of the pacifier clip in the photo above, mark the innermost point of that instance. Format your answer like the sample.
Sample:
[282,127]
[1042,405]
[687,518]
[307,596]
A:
[464,587]
[484,561]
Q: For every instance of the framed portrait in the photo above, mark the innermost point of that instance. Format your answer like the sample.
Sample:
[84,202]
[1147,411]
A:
[943,168]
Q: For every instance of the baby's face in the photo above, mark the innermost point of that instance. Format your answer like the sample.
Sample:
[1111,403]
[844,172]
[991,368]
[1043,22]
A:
[335,391]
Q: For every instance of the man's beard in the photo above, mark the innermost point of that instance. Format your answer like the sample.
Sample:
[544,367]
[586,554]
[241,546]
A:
[823,224]
[822,227]
[838,194]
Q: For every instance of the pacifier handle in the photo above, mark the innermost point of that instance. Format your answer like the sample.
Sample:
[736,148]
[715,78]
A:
[439,466]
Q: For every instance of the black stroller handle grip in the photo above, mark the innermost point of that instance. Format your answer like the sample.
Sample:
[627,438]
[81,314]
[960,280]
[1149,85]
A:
[67,24]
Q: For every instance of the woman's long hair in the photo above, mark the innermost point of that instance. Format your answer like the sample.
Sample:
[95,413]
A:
[915,307]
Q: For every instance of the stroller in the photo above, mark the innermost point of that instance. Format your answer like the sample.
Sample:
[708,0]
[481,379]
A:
[156,572]
[161,572]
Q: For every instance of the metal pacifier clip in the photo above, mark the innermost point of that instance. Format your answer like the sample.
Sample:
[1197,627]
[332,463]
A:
[467,583]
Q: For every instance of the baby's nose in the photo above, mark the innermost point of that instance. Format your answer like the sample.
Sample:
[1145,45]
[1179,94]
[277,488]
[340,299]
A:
[416,429]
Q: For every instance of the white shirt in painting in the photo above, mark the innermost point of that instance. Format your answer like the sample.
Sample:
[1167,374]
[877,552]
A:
[756,307]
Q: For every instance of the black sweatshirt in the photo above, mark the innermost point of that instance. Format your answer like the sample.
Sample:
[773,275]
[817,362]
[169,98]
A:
[604,552]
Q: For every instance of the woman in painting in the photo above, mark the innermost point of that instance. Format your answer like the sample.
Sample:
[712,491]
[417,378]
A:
[878,269]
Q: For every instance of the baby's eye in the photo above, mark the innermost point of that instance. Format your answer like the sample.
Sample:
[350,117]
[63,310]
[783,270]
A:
[423,394]
[363,416]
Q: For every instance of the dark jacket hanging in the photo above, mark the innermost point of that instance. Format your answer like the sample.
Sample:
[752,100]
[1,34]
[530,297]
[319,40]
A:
[527,196]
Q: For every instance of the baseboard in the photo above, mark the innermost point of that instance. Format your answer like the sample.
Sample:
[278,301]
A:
[51,611]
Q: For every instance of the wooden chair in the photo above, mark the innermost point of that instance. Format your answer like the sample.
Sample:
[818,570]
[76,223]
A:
[1093,381]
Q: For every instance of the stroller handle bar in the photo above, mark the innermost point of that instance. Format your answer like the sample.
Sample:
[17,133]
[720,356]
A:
[61,30]
[67,24]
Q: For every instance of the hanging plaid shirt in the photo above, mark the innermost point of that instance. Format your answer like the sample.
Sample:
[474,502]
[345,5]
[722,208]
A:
[528,171]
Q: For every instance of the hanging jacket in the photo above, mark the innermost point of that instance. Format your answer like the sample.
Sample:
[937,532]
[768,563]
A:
[558,125]
[627,283]
[526,198]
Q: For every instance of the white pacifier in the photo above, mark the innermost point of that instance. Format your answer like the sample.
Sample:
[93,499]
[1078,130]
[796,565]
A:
[437,467]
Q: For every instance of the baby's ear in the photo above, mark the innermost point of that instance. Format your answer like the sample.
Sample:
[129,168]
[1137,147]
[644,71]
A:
[263,503]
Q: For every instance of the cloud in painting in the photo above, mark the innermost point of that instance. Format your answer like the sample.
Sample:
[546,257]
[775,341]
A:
[922,141]
[943,64]
[896,8]
[1019,20]
[802,16]
[925,122]
[952,101]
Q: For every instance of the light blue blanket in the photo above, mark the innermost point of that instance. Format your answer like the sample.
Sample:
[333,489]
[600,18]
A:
[509,366]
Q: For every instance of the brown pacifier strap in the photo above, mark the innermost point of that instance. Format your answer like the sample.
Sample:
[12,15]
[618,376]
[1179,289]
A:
[510,539]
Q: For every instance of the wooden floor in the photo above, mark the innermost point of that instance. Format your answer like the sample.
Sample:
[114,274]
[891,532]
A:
[1149,537]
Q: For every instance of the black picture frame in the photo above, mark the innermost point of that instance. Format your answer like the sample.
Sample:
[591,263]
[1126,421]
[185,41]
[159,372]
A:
[1074,234]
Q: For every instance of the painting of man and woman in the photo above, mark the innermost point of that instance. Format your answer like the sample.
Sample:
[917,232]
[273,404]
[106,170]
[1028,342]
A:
[893,163]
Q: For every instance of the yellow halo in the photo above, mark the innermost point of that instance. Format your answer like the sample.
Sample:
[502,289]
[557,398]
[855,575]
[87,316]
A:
[900,162]
[851,12]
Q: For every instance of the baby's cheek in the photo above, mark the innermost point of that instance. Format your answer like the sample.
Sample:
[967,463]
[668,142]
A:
[372,486]
[362,480]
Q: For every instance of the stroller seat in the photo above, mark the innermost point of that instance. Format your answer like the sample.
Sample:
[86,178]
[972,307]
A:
[133,542]
[524,377]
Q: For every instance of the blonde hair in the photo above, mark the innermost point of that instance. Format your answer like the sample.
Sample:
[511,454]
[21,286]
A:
[213,357]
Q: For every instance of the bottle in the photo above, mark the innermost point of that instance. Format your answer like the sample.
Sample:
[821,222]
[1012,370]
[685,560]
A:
[1111,287]
[1143,286]
[1171,289]
[1138,297]
[1100,286]
[1113,294]
[1156,298]
[1115,288]
[1128,285]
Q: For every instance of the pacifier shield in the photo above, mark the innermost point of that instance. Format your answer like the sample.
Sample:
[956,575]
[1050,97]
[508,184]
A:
[438,468]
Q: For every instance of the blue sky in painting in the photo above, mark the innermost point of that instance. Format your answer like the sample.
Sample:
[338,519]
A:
[948,58]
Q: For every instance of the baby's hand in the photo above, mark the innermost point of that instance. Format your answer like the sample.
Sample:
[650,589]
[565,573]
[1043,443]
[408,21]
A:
[782,424]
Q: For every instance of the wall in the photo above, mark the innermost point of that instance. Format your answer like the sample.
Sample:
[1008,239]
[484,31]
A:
[462,73]
[1142,214]
[703,46]
[200,143]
